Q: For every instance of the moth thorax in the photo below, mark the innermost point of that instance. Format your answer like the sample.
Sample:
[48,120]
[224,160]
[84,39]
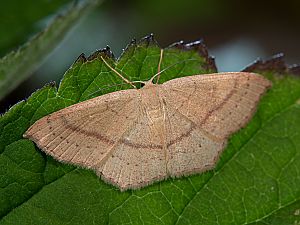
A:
[151,102]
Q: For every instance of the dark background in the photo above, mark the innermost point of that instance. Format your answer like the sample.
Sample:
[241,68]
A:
[235,32]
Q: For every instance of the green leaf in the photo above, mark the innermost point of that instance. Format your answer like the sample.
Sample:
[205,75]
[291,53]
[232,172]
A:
[17,65]
[256,180]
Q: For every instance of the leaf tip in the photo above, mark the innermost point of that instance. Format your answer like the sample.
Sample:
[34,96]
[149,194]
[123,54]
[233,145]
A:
[105,52]
[202,50]
[275,63]
[52,84]
[294,69]
[148,40]
[81,58]
[133,41]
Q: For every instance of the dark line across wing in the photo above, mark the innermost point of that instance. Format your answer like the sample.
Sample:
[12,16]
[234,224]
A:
[225,100]
[123,141]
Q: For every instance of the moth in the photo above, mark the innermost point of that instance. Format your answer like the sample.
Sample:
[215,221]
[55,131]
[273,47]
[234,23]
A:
[132,138]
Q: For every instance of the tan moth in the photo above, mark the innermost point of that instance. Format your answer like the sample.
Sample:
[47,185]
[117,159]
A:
[134,137]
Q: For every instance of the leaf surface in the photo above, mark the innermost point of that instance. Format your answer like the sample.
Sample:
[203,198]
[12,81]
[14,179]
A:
[256,180]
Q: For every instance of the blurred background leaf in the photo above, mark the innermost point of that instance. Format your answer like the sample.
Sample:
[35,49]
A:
[19,19]
[17,65]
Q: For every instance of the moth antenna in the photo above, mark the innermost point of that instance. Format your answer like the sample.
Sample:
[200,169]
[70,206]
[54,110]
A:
[161,71]
[159,64]
[112,86]
[120,75]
